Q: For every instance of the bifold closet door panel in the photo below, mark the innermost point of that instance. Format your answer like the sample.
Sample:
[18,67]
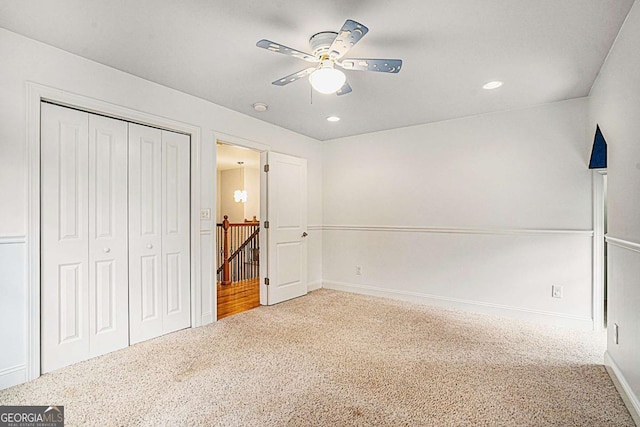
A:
[64,237]
[84,277]
[175,231]
[145,233]
[108,242]
[115,245]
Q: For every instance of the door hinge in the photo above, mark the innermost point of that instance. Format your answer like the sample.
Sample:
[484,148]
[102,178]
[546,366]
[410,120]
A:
[266,224]
[266,168]
[266,281]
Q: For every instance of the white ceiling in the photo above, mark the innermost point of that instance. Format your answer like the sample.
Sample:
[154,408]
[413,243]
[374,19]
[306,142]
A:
[543,50]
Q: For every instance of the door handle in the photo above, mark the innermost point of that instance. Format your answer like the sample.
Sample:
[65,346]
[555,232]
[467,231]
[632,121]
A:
[149,246]
[304,234]
[107,250]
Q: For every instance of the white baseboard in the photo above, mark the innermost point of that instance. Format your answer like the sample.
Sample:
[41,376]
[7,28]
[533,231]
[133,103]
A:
[520,313]
[207,318]
[13,376]
[314,285]
[629,398]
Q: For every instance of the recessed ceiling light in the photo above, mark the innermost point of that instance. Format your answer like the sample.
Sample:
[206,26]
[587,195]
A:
[492,85]
[260,107]
[333,119]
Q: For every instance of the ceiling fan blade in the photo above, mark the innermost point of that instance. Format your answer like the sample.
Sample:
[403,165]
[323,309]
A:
[350,33]
[381,65]
[293,77]
[345,89]
[276,47]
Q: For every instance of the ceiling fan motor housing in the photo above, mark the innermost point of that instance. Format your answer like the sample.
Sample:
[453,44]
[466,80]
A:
[321,42]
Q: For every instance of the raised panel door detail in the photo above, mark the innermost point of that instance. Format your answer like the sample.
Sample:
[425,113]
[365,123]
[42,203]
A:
[174,303]
[288,195]
[105,300]
[108,235]
[288,261]
[175,236]
[148,182]
[172,186]
[69,303]
[71,216]
[104,174]
[64,242]
[149,282]
[145,232]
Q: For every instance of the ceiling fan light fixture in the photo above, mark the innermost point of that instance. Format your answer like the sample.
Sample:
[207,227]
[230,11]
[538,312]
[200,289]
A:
[327,79]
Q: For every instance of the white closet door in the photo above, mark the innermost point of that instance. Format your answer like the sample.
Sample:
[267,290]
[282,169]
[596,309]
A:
[64,237]
[84,236]
[145,233]
[159,250]
[108,256]
[175,231]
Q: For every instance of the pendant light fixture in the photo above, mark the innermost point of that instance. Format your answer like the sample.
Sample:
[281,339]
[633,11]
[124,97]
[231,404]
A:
[240,196]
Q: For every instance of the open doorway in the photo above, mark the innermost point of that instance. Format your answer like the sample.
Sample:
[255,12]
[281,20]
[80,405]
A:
[600,227]
[605,264]
[237,229]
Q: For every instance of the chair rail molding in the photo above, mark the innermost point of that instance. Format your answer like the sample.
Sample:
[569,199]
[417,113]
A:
[622,243]
[457,230]
[12,240]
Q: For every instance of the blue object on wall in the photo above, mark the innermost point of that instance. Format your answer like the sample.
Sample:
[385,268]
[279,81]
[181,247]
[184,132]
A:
[599,151]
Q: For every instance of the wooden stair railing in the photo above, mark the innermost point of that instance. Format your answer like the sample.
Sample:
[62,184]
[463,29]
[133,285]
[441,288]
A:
[238,250]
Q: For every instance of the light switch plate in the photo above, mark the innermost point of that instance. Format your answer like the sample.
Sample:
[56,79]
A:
[205,214]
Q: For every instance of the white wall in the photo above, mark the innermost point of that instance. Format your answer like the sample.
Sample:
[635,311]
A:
[237,179]
[25,60]
[12,277]
[230,181]
[483,213]
[615,106]
[252,187]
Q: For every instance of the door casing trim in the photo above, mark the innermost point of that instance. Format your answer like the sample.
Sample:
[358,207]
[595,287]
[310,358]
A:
[37,93]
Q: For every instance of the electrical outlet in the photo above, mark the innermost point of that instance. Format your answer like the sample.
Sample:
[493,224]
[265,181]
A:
[205,214]
[358,270]
[556,291]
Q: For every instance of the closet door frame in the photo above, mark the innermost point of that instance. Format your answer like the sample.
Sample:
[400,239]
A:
[36,94]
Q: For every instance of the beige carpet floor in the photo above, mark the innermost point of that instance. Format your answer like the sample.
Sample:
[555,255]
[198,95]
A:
[339,359]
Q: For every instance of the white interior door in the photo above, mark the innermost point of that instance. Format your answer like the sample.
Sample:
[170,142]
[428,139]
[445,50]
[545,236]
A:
[115,244]
[64,261]
[84,236]
[108,242]
[145,233]
[175,232]
[286,188]
[159,242]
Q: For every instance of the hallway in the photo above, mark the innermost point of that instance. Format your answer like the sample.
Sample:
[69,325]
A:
[238,297]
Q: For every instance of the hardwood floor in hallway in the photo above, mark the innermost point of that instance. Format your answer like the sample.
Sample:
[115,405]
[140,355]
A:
[238,297]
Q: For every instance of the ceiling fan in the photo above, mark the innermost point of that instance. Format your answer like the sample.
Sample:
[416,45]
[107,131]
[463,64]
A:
[328,49]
